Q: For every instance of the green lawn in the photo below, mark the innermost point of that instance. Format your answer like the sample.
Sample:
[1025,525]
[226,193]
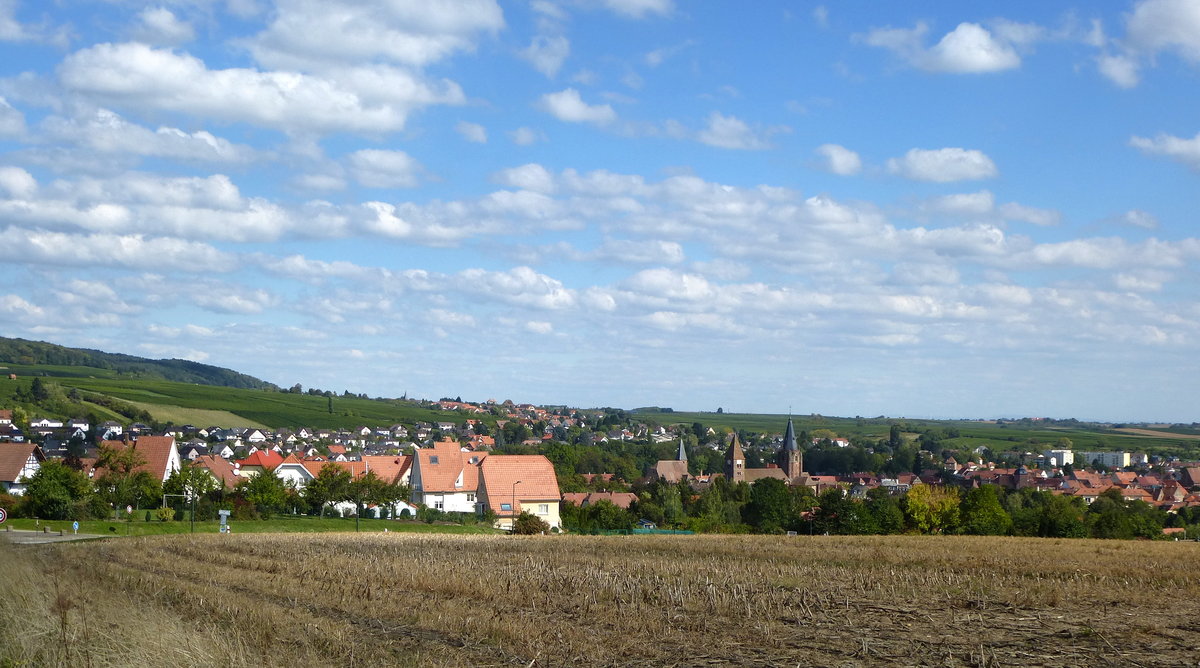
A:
[290,524]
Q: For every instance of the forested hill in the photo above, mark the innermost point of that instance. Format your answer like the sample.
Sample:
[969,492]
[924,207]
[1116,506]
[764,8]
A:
[20,351]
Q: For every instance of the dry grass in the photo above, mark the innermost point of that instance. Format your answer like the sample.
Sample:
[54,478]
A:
[392,599]
[1158,434]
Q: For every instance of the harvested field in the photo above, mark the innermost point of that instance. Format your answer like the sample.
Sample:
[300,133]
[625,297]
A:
[440,600]
[1158,434]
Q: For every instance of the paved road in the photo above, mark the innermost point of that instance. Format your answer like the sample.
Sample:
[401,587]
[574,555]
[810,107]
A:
[25,537]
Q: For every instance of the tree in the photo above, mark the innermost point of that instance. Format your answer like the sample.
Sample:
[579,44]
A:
[931,508]
[528,525]
[56,492]
[770,509]
[982,514]
[370,489]
[331,485]
[191,481]
[266,492]
[124,482]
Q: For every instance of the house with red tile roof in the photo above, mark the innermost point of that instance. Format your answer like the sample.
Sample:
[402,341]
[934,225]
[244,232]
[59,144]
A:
[219,468]
[18,462]
[159,454]
[257,462]
[512,484]
[619,499]
[446,478]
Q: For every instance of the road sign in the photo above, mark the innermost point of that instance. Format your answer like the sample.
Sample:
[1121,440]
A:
[75,527]
[3,515]
[128,510]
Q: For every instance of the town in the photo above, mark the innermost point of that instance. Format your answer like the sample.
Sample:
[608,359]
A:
[520,467]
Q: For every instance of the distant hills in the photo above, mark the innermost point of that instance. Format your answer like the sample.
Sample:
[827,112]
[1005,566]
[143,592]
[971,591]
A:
[21,351]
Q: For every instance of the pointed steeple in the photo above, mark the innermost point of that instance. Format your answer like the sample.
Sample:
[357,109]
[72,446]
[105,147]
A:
[735,460]
[682,456]
[789,437]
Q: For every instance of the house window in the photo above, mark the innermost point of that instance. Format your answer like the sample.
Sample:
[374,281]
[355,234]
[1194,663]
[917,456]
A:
[439,505]
[506,506]
[471,497]
[432,459]
[543,509]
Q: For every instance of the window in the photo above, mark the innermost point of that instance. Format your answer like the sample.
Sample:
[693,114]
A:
[470,497]
[543,509]
[439,505]
[432,459]
[506,506]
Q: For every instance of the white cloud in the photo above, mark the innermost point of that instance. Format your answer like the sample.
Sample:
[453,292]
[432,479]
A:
[107,132]
[637,9]
[527,177]
[158,25]
[731,132]
[376,168]
[963,204]
[1139,218]
[12,30]
[36,247]
[820,15]
[539,327]
[446,318]
[839,159]
[12,121]
[524,136]
[968,49]
[472,132]
[232,299]
[547,53]
[1179,149]
[519,286]
[1166,25]
[412,34]
[1029,214]
[18,183]
[943,165]
[567,105]
[369,99]
[1121,69]
[661,55]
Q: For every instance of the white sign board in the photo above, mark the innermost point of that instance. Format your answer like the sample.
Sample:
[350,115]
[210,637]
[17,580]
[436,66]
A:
[128,510]
[3,515]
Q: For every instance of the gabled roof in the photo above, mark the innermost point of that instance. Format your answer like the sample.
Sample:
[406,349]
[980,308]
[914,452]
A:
[219,467]
[445,465]
[156,451]
[532,475]
[264,459]
[389,469]
[13,457]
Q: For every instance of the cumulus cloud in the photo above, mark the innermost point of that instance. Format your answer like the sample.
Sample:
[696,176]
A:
[1186,151]
[159,25]
[524,136]
[17,183]
[731,132]
[472,132]
[1120,69]
[405,33]
[839,159]
[1139,218]
[532,177]
[520,286]
[376,168]
[107,132]
[943,165]
[368,99]
[566,105]
[547,53]
[968,49]
[1153,27]
[38,247]
[12,121]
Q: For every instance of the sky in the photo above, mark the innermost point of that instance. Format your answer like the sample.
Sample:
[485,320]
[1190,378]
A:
[921,209]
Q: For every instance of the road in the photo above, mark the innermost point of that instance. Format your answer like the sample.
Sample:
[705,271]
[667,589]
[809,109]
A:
[25,537]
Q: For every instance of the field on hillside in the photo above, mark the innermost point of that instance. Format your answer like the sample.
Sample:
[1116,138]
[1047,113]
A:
[237,407]
[338,599]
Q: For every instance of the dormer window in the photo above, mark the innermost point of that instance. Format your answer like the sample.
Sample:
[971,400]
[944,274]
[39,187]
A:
[433,459]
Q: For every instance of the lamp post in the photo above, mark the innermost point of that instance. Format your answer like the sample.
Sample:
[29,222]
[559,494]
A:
[512,509]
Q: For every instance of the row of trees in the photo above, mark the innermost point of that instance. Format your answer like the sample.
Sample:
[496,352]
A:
[771,506]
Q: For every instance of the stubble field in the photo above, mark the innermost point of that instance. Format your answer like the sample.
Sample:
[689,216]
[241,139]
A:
[441,600]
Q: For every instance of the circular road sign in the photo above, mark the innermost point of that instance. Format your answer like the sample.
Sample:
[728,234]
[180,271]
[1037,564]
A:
[3,515]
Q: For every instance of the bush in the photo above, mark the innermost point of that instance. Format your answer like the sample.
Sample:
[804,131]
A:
[528,525]
[164,514]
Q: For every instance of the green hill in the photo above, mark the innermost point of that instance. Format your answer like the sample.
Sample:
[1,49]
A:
[25,353]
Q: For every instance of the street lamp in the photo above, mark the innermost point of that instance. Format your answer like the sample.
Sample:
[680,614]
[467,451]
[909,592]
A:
[512,509]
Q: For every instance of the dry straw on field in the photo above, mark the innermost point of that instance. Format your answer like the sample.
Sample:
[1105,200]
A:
[670,600]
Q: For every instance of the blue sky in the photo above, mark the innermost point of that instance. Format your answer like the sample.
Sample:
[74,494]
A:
[907,209]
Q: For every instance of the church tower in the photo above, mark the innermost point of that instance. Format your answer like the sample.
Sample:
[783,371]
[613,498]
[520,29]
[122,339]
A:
[791,458]
[735,461]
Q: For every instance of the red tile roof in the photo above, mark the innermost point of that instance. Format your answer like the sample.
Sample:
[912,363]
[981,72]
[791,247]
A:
[219,467]
[533,474]
[453,470]
[156,451]
[266,460]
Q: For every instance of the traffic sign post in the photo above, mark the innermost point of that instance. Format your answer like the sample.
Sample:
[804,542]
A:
[75,527]
[224,520]
[3,515]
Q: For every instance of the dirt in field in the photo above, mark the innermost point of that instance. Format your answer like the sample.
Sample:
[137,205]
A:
[663,600]
[1158,434]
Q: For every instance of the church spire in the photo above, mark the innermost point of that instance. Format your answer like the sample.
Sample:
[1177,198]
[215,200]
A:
[791,458]
[789,437]
[682,456]
[735,461]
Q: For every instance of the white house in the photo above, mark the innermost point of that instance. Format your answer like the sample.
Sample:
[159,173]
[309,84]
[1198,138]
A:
[446,478]
[18,463]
